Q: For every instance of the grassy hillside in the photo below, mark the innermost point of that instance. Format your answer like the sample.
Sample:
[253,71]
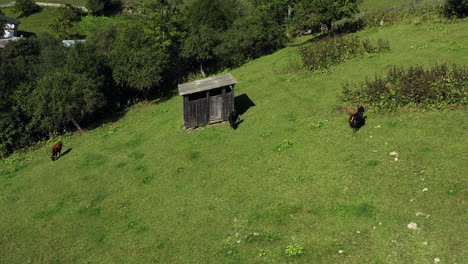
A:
[143,190]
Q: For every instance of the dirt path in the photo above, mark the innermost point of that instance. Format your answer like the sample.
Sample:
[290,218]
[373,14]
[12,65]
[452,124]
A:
[43,4]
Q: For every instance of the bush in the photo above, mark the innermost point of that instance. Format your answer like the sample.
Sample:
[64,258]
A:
[96,6]
[458,8]
[348,25]
[433,88]
[70,13]
[408,16]
[62,24]
[26,7]
[327,52]
[293,250]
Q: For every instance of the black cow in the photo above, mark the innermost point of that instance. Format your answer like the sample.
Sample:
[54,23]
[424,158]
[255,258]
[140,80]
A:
[357,119]
[233,118]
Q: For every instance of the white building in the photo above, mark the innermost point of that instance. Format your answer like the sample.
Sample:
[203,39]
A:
[11,27]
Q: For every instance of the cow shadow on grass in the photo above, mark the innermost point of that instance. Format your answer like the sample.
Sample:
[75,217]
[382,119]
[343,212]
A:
[65,153]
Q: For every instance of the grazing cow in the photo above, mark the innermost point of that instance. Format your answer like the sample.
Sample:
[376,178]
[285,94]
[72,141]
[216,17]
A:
[357,119]
[233,117]
[56,151]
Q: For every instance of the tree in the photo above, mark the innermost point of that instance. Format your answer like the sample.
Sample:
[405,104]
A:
[138,59]
[26,7]
[143,48]
[96,6]
[62,24]
[328,11]
[18,62]
[61,27]
[166,24]
[252,35]
[70,13]
[63,96]
[208,20]
[52,54]
[458,8]
[301,18]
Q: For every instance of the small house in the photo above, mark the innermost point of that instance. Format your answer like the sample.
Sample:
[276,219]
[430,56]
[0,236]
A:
[11,27]
[207,101]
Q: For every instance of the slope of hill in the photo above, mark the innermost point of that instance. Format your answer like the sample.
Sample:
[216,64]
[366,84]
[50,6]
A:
[143,190]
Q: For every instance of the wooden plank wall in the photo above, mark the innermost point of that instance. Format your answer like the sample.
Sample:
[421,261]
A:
[196,112]
[228,102]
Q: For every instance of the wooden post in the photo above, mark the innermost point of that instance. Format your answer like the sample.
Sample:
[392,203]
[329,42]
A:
[225,104]
[184,110]
[233,99]
[207,107]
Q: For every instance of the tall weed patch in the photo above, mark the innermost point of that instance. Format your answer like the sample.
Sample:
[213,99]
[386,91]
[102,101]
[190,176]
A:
[414,87]
[330,51]
[409,16]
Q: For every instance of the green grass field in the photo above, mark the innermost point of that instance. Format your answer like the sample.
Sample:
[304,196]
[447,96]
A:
[35,23]
[143,190]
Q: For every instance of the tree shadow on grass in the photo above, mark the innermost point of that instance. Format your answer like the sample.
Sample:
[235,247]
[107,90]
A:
[26,34]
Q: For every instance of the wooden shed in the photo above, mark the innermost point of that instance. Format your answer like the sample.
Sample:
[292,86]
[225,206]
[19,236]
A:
[207,101]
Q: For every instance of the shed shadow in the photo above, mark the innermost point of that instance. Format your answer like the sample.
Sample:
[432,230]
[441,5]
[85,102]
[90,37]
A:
[243,103]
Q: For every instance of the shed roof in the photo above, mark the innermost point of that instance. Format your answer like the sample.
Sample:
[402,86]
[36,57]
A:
[206,84]
[9,19]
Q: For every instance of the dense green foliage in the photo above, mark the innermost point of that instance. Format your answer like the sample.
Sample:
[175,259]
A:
[410,16]
[63,22]
[26,7]
[457,8]
[61,27]
[137,59]
[208,21]
[322,54]
[328,11]
[436,87]
[96,6]
[45,86]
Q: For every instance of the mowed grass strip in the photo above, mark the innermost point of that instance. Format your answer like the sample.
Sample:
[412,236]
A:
[148,191]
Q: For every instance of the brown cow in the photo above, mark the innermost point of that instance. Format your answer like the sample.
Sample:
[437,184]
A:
[357,119]
[56,151]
